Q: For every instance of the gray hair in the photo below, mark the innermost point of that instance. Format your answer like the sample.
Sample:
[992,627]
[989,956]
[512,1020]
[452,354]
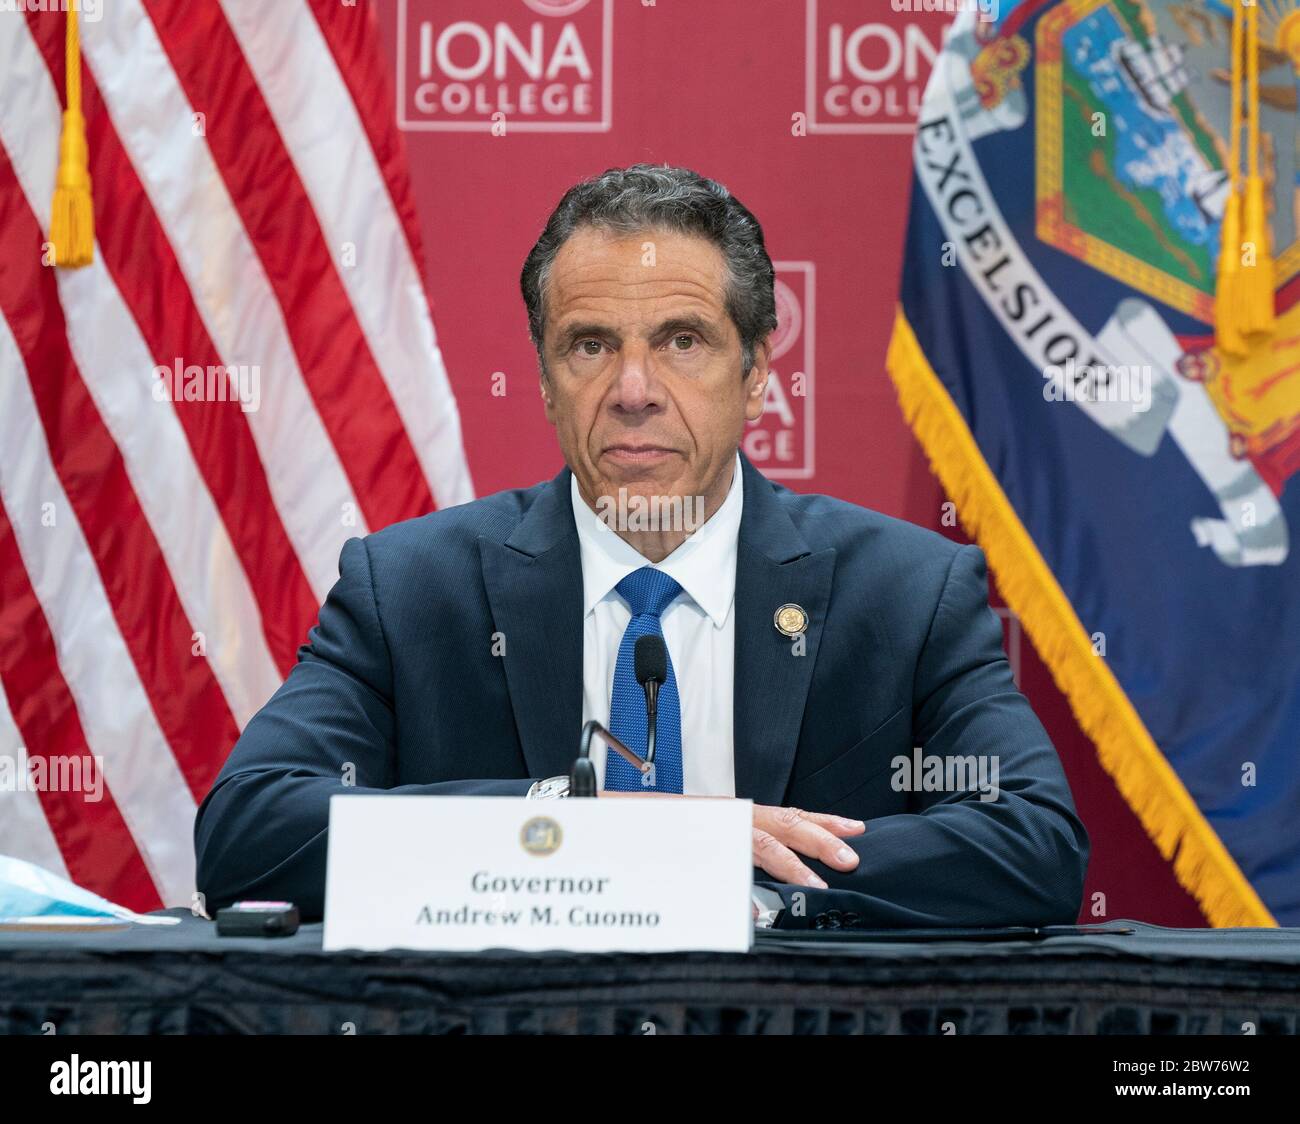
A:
[649,196]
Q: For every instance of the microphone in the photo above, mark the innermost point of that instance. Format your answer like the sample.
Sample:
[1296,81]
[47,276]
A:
[651,668]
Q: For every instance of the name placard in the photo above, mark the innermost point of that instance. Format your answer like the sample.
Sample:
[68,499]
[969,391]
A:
[465,873]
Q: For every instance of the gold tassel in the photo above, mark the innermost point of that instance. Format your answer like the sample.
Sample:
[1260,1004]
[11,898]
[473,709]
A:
[1227,331]
[1255,299]
[1227,296]
[72,213]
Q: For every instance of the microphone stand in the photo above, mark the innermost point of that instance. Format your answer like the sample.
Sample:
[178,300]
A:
[652,718]
[582,778]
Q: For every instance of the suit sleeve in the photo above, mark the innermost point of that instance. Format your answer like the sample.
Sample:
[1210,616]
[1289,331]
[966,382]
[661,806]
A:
[955,859]
[261,831]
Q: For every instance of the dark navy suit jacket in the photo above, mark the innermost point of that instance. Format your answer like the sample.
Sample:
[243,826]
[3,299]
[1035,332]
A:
[400,679]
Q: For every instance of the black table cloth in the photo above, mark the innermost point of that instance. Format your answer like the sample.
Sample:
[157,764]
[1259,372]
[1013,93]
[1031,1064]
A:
[1101,979]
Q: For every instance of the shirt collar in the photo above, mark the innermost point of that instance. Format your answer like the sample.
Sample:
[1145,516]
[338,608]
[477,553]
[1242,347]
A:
[704,565]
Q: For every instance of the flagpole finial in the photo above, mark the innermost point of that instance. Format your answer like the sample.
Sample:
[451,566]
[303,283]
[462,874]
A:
[72,214]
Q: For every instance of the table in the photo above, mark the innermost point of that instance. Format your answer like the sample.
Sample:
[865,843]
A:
[185,979]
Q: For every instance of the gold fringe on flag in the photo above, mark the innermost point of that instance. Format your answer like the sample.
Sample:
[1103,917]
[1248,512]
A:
[72,214]
[1125,748]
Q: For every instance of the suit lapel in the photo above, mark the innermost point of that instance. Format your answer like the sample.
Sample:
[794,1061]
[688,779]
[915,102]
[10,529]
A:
[774,567]
[534,590]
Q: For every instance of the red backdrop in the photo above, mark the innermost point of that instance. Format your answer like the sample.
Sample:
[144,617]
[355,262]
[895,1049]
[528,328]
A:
[802,108]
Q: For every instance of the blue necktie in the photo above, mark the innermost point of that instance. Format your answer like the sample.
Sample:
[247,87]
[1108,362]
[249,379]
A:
[648,591]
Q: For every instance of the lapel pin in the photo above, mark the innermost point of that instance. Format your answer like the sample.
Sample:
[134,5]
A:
[790,620]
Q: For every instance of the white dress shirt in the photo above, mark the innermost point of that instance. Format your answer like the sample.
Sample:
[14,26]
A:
[699,629]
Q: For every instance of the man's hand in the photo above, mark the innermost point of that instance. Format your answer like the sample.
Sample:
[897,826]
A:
[781,835]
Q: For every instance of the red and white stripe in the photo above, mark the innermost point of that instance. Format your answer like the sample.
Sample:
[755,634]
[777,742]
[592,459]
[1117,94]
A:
[160,562]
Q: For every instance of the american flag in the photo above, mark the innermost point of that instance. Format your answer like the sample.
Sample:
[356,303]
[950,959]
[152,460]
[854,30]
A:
[165,543]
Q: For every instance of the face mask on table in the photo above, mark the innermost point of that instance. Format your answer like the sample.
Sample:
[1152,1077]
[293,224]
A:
[27,890]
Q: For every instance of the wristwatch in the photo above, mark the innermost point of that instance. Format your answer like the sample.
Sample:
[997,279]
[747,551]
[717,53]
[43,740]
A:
[552,788]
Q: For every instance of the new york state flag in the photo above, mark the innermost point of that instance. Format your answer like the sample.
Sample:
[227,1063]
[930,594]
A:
[1098,346]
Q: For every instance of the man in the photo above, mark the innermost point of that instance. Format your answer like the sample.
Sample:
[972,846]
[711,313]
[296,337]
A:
[812,644]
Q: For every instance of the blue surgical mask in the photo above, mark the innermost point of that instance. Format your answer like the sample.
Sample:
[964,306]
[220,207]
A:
[27,890]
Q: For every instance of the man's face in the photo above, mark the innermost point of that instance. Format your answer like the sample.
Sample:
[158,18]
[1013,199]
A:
[645,388]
